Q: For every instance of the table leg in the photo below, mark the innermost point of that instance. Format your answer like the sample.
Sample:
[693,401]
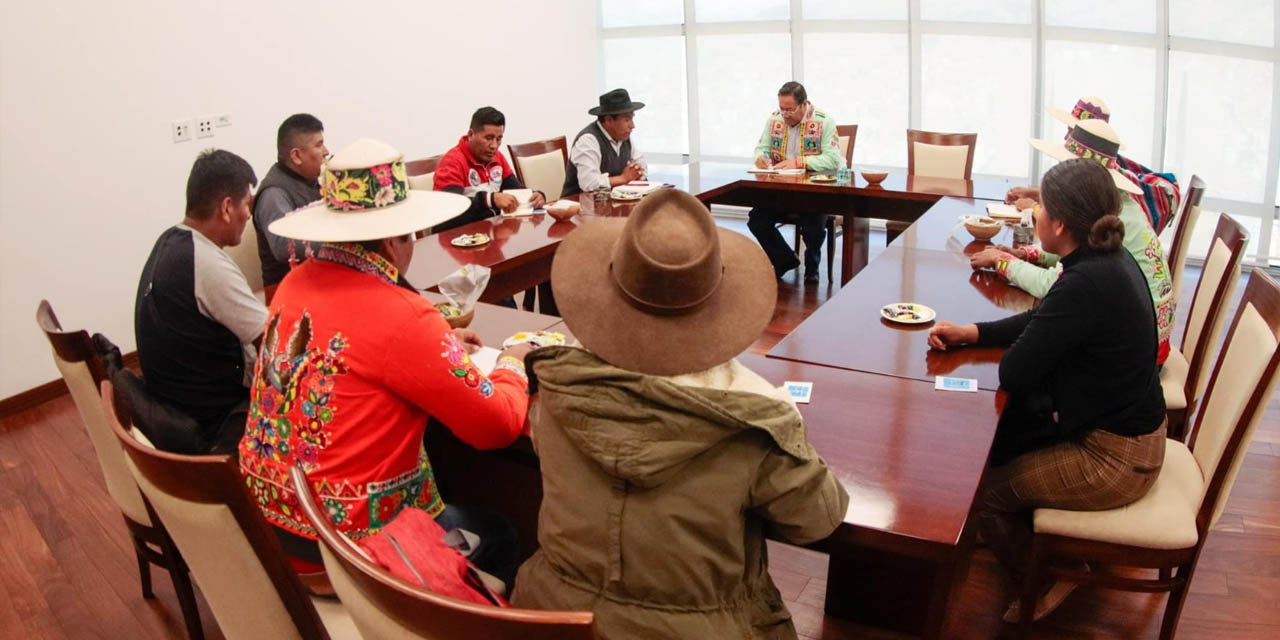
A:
[891,591]
[853,251]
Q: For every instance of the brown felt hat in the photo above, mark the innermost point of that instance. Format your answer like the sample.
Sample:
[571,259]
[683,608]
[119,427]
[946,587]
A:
[665,291]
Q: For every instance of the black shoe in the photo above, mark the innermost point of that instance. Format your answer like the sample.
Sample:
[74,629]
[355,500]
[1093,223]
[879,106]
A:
[811,276]
[781,271]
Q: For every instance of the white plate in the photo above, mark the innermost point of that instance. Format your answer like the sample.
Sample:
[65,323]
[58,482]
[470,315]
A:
[907,313]
[625,195]
[822,178]
[470,240]
[538,338]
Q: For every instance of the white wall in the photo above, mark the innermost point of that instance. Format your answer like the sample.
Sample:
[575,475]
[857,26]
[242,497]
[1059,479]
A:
[88,173]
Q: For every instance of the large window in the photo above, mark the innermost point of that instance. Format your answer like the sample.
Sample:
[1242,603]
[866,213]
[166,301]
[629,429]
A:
[1190,83]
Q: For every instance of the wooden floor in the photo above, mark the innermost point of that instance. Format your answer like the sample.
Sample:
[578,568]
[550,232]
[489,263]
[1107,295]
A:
[67,569]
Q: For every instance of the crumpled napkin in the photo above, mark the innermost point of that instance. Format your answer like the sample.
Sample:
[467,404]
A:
[464,286]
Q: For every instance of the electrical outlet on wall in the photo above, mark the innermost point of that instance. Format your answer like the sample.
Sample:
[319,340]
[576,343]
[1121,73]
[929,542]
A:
[181,130]
[204,127]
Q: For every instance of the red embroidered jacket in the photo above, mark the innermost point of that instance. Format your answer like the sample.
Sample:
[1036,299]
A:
[351,367]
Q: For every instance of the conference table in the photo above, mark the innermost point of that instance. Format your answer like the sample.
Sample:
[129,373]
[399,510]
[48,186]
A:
[520,252]
[911,457]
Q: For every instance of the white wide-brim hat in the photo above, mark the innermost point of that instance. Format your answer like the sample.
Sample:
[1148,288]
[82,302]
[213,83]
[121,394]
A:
[364,195]
[1087,108]
[1092,139]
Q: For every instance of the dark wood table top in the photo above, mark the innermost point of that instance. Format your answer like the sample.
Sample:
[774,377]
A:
[910,457]
[940,229]
[848,332]
[519,240]
[709,179]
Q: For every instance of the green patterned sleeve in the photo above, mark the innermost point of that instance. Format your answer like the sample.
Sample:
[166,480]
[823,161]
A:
[1030,278]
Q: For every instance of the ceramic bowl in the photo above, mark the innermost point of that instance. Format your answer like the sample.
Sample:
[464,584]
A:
[459,320]
[874,177]
[563,213]
[982,227]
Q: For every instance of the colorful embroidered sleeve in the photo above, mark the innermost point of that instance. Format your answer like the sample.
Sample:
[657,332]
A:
[430,368]
[829,159]
[1037,255]
[1160,192]
[1029,277]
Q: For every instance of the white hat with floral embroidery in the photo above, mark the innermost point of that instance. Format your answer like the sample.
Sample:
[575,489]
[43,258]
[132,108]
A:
[364,195]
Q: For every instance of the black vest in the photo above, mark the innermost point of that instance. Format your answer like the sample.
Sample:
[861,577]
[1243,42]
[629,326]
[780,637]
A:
[610,163]
[301,192]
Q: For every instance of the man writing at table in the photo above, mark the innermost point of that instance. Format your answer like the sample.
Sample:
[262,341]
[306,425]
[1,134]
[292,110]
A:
[603,156]
[476,169]
[796,136]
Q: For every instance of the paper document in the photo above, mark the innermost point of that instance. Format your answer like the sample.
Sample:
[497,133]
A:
[485,359]
[1003,211]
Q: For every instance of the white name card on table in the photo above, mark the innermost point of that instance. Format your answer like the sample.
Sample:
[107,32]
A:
[485,359]
[947,383]
[800,392]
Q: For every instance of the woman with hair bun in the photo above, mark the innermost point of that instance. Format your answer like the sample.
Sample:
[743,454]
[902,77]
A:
[1084,424]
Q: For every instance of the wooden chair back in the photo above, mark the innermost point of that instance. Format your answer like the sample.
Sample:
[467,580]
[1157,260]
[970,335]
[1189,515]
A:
[847,135]
[1243,380]
[222,535]
[83,371]
[385,607]
[937,155]
[245,255]
[1185,225]
[1217,284]
[540,165]
[422,173]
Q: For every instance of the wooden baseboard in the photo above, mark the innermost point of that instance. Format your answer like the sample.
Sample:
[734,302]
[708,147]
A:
[51,390]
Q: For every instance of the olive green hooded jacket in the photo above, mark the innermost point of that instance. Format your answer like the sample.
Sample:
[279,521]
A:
[658,494]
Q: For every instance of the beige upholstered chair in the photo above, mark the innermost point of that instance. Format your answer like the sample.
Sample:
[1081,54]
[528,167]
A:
[385,607]
[1188,214]
[540,165]
[234,556]
[246,257]
[422,173]
[940,155]
[1166,528]
[935,155]
[1186,371]
[83,371]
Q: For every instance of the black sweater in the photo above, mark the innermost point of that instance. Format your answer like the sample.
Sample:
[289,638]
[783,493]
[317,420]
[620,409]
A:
[1090,347]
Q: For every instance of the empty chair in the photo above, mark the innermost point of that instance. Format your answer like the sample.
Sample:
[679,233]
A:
[385,607]
[1186,371]
[1166,528]
[936,155]
[215,523]
[422,173]
[245,255]
[83,370]
[540,165]
[1188,214]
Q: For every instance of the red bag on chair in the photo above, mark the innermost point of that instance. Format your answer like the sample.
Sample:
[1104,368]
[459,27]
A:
[412,548]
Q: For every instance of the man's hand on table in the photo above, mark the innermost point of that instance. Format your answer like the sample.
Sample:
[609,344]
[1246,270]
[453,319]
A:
[506,202]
